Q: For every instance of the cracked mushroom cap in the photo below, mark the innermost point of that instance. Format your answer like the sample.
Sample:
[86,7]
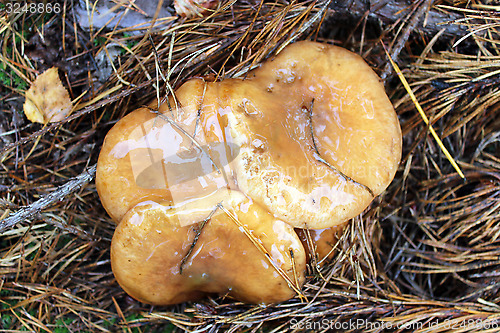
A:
[318,136]
[243,251]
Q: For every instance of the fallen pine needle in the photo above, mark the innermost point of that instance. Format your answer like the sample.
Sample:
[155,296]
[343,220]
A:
[424,117]
[263,250]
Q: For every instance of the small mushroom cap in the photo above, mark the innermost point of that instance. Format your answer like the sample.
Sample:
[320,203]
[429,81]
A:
[150,244]
[319,137]
[319,243]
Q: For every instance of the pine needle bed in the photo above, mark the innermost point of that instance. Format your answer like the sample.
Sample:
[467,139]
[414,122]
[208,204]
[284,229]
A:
[423,258]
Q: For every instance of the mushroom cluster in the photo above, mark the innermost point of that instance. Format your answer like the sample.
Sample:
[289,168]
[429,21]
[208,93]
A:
[211,188]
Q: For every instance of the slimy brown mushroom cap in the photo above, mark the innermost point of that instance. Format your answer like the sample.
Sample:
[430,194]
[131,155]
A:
[319,139]
[161,154]
[156,259]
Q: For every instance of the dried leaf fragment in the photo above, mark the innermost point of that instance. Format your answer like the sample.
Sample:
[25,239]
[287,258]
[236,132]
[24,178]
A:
[192,8]
[47,100]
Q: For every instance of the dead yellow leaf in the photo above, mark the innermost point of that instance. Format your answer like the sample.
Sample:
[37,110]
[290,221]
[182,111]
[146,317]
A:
[47,100]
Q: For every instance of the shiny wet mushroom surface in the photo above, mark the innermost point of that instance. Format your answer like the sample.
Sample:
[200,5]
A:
[207,188]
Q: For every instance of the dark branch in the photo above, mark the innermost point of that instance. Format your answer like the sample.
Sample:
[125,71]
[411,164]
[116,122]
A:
[404,36]
[389,12]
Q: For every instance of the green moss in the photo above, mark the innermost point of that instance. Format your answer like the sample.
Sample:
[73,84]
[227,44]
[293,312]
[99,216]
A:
[6,321]
[99,41]
[109,323]
[19,83]
[25,28]
[131,43]
[61,325]
[134,316]
[10,79]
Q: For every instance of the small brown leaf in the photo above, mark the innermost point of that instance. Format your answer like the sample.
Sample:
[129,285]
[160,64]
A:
[47,100]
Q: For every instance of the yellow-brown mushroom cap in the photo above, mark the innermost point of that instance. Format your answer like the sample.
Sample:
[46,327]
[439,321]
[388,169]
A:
[320,244]
[318,136]
[151,244]
[161,155]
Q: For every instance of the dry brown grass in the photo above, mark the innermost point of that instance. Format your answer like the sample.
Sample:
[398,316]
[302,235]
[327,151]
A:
[425,253]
